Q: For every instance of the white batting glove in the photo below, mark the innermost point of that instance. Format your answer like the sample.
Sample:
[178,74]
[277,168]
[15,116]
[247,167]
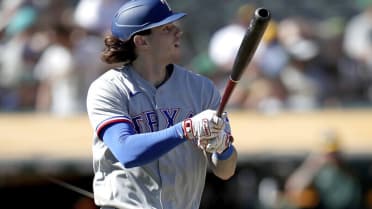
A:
[223,140]
[220,143]
[202,126]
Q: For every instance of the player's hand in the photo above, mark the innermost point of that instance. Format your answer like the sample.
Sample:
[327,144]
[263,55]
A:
[223,140]
[205,125]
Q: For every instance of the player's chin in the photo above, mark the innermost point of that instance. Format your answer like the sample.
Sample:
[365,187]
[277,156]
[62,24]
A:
[176,54]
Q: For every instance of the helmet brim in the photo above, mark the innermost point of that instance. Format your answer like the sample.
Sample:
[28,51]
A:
[172,18]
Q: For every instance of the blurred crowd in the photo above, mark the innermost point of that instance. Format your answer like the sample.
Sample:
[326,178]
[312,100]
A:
[324,178]
[49,54]
[300,64]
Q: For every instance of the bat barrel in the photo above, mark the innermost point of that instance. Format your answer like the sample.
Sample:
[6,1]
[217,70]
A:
[250,41]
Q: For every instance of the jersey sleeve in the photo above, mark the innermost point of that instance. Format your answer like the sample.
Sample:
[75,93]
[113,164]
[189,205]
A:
[106,104]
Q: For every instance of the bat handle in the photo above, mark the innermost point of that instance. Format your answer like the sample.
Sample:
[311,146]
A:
[229,88]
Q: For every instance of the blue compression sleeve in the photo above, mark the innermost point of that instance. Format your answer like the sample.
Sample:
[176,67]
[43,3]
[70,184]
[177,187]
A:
[138,149]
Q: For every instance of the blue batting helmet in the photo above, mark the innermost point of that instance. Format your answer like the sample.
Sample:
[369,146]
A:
[139,15]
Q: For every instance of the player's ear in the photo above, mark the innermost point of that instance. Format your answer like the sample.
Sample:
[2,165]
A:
[139,41]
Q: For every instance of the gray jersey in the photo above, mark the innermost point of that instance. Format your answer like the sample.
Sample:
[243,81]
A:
[175,180]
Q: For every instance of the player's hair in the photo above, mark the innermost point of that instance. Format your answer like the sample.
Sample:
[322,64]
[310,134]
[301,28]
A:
[118,51]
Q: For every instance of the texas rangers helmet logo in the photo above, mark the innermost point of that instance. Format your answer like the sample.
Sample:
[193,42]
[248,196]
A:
[166,3]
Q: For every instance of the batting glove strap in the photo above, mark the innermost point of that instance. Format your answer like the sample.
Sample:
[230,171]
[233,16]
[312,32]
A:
[188,130]
[225,154]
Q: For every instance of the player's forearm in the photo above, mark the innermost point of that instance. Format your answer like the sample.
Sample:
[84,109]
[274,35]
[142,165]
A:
[224,164]
[138,149]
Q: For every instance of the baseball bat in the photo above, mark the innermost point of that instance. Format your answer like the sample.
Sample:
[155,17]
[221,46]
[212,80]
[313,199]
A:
[252,38]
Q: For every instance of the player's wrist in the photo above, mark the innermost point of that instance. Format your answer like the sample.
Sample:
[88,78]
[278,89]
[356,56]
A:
[180,131]
[226,154]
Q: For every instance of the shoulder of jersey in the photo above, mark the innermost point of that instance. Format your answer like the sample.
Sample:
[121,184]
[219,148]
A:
[182,71]
[110,74]
[185,73]
[106,78]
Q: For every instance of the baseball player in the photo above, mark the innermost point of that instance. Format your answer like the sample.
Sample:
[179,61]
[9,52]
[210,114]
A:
[156,130]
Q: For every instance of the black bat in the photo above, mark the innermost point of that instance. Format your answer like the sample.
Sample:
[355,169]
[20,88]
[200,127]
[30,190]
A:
[252,38]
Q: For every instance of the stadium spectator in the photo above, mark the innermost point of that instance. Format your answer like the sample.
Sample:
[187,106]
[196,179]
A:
[358,46]
[98,18]
[56,72]
[225,42]
[16,80]
[264,90]
[255,90]
[325,180]
[357,39]
[303,76]
[224,45]
[333,60]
